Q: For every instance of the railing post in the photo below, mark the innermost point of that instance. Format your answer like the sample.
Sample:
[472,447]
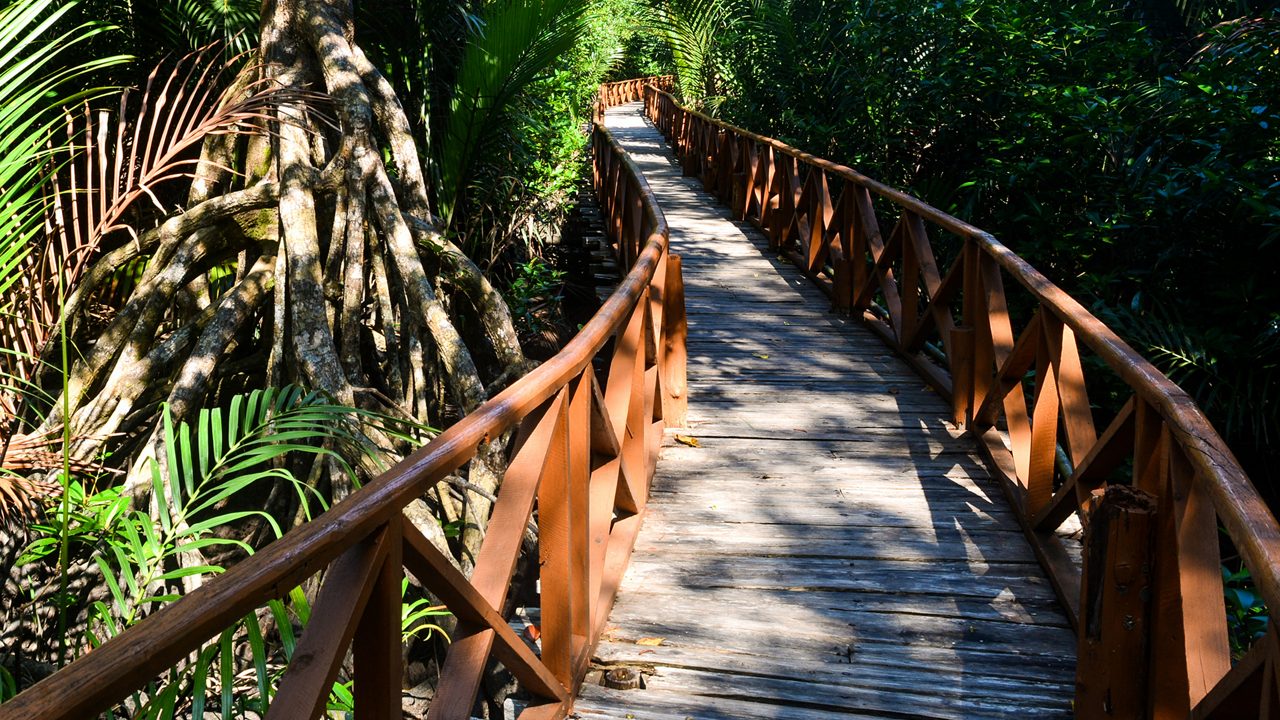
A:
[908,284]
[376,648]
[613,193]
[624,399]
[1111,671]
[961,361]
[637,222]
[675,331]
[1044,420]
[1189,651]
[626,226]
[558,529]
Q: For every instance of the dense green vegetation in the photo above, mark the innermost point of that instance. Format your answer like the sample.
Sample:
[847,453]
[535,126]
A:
[1129,150]
[109,516]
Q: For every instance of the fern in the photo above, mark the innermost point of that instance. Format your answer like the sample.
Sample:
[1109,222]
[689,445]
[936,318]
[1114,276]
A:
[1236,381]
[224,454]
[145,559]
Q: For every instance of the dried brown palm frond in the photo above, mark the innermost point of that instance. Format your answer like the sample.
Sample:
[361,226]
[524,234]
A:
[108,163]
[21,496]
[115,160]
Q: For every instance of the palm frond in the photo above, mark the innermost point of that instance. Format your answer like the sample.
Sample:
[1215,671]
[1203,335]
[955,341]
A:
[204,465]
[191,24]
[116,160]
[691,29]
[34,75]
[1238,390]
[519,40]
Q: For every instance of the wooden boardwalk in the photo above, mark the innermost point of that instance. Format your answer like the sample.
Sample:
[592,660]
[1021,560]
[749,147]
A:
[830,547]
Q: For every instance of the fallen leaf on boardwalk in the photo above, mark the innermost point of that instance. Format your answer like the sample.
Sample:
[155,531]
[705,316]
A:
[650,641]
[687,440]
[533,633]
[893,391]
[762,356]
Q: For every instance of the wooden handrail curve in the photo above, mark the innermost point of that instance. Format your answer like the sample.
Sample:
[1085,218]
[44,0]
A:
[612,94]
[1023,396]
[585,448]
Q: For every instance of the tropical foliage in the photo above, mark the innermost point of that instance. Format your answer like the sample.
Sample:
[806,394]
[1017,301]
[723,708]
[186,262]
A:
[517,41]
[1130,150]
[203,487]
[38,76]
[236,223]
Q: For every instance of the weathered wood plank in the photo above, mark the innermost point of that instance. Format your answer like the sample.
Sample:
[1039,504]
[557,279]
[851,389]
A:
[864,543]
[887,670]
[918,701]
[600,703]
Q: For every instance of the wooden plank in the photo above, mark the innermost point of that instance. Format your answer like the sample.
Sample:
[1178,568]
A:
[726,618]
[947,484]
[839,699]
[599,703]
[922,613]
[956,579]
[864,666]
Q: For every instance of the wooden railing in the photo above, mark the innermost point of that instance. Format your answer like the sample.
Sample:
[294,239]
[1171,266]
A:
[625,91]
[1150,615]
[586,443]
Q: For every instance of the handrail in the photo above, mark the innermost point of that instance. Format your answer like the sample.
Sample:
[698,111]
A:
[585,451]
[823,215]
[612,94]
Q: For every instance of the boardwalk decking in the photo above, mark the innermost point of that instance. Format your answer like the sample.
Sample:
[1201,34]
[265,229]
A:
[830,548]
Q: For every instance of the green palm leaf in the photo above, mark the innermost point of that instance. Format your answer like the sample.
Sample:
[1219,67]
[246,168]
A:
[34,78]
[518,40]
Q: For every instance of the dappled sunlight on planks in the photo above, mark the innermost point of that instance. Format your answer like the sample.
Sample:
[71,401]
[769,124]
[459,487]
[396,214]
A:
[831,546]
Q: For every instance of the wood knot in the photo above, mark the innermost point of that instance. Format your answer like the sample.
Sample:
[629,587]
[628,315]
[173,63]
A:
[623,678]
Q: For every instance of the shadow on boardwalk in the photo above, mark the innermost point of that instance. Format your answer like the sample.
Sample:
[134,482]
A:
[830,548]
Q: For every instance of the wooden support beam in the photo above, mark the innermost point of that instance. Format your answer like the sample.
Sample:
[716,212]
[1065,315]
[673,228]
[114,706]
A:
[1109,451]
[1111,673]
[377,646]
[447,583]
[496,562]
[1249,690]
[961,357]
[304,689]
[1189,652]
[674,358]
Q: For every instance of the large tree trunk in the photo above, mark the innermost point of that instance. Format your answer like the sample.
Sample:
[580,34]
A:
[342,283]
